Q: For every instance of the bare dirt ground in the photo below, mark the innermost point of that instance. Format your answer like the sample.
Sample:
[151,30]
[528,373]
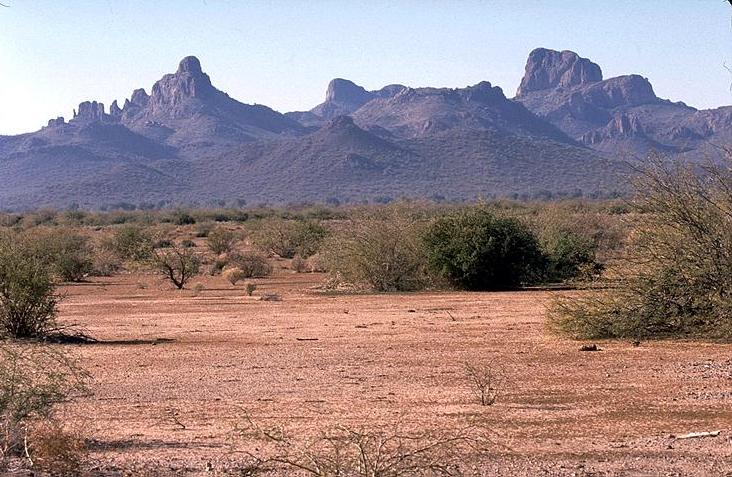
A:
[177,372]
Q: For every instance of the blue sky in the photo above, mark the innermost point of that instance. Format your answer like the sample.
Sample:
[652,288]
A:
[55,54]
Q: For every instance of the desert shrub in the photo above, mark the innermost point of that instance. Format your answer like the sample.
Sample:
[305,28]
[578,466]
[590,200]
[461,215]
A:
[131,243]
[68,253]
[188,243]
[219,263]
[288,238]
[221,240]
[105,262]
[382,251]
[299,264]
[203,229]
[234,275]
[676,279]
[569,256]
[249,288]
[163,243]
[27,293]
[180,217]
[477,250]
[33,380]
[251,264]
[177,264]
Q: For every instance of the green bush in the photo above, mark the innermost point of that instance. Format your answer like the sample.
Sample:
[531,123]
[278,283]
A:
[27,293]
[288,238]
[569,256]
[476,250]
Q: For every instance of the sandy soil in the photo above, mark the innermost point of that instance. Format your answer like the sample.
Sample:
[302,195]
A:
[314,360]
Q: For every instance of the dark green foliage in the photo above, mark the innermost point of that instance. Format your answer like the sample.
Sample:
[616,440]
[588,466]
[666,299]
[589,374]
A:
[569,256]
[476,250]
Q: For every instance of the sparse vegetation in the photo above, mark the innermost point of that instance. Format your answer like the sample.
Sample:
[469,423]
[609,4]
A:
[287,238]
[131,243]
[382,251]
[251,264]
[676,277]
[177,264]
[34,379]
[68,253]
[485,381]
[234,275]
[221,240]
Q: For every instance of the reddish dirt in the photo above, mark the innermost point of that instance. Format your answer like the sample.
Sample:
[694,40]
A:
[313,360]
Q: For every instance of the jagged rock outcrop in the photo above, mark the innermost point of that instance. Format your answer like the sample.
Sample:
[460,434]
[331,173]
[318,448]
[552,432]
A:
[546,69]
[59,121]
[90,111]
[114,110]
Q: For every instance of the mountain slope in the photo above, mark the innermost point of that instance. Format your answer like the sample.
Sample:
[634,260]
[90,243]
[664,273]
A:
[620,116]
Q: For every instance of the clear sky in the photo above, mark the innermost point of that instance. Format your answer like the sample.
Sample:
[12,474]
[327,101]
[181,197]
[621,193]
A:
[57,53]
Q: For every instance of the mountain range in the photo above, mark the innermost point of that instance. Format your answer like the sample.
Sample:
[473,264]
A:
[567,132]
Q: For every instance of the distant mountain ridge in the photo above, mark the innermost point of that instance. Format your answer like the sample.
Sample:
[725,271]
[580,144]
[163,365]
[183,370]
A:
[564,134]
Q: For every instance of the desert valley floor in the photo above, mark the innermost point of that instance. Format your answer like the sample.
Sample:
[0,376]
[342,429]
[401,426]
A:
[176,374]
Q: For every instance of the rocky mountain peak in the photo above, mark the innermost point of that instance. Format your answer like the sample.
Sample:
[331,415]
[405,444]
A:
[547,69]
[188,82]
[347,92]
[190,64]
[90,111]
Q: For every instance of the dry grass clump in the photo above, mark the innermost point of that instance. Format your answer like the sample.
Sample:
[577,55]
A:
[234,275]
[366,452]
[55,450]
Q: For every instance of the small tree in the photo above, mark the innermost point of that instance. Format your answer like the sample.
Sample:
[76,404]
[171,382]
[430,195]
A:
[221,240]
[476,250]
[177,264]
[27,294]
